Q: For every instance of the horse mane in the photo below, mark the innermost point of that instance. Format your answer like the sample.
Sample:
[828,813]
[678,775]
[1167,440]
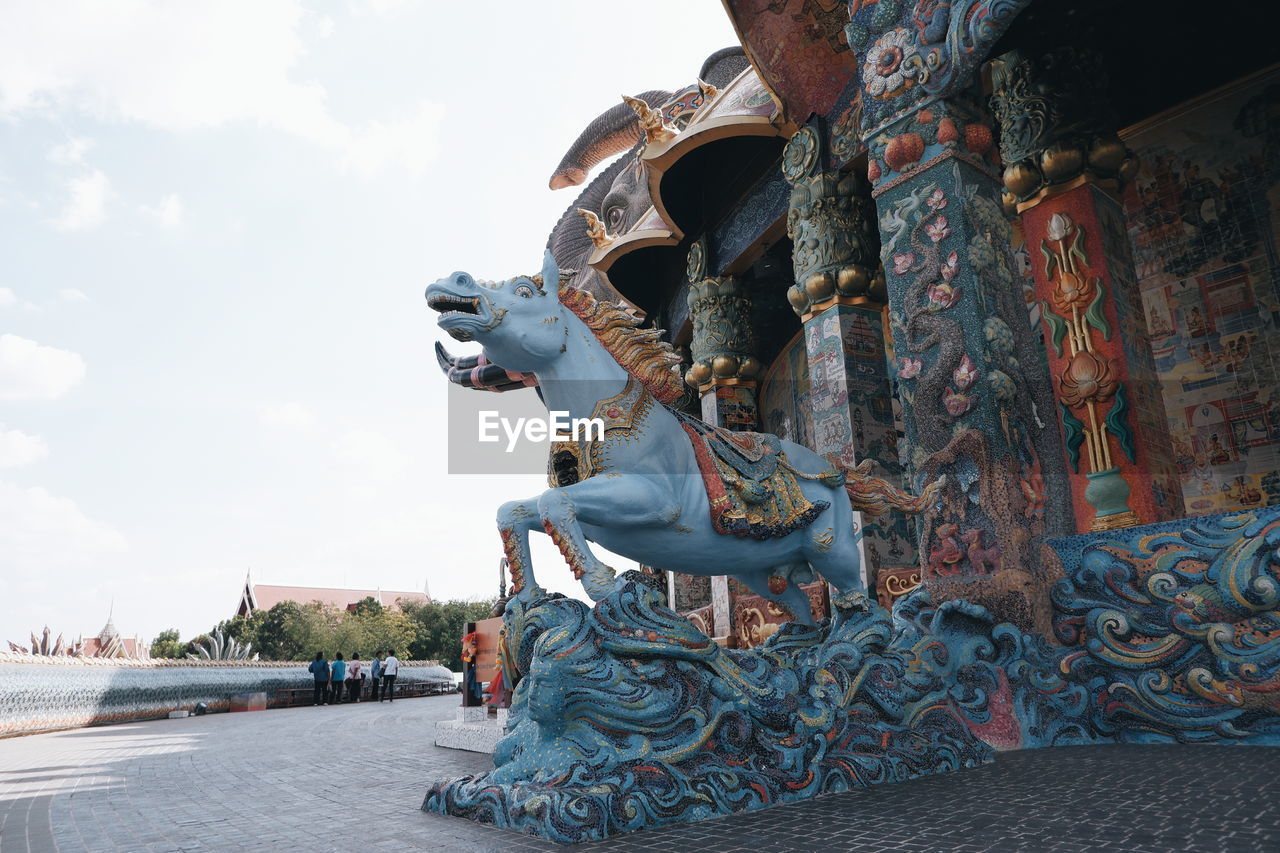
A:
[640,352]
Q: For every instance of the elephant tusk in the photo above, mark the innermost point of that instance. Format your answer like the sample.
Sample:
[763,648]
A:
[450,363]
[476,371]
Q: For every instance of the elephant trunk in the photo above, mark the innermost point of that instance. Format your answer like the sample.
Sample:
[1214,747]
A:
[613,132]
[724,65]
[476,371]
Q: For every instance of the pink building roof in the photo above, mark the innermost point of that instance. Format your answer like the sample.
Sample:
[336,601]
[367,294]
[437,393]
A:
[265,596]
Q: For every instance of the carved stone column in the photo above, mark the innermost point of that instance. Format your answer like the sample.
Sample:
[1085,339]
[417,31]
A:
[831,223]
[723,370]
[840,298]
[1064,164]
[974,392]
[724,366]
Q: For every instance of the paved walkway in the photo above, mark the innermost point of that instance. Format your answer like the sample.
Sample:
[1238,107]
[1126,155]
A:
[352,778]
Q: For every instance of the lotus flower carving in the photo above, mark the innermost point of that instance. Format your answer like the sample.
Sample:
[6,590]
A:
[958,403]
[942,297]
[1087,379]
[1073,291]
[964,375]
[1060,225]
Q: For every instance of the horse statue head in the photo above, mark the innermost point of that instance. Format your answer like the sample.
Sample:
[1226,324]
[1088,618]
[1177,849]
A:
[527,324]
[520,322]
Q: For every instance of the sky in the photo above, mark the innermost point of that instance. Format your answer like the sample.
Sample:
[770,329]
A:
[217,220]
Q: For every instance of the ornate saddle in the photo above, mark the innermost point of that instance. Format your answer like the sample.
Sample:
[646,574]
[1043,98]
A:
[752,490]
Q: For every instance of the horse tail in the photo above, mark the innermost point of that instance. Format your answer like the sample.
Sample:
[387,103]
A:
[875,496]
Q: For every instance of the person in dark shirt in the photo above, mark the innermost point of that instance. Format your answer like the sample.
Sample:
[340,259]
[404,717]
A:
[320,672]
[375,673]
[338,668]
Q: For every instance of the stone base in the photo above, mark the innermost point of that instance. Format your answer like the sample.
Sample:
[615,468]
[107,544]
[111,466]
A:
[813,711]
[472,729]
[249,701]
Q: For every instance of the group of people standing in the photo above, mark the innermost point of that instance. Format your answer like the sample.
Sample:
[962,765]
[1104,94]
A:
[335,678]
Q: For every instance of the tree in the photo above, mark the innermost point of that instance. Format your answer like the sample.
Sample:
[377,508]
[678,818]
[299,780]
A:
[293,631]
[167,645]
[368,606]
[242,629]
[440,627]
[310,629]
[386,630]
[274,642]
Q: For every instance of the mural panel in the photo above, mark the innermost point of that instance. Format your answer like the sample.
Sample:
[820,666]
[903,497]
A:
[785,407]
[1202,220]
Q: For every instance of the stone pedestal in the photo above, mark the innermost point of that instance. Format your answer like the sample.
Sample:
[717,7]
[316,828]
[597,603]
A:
[472,729]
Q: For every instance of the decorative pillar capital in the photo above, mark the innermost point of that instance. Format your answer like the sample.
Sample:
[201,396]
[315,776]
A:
[723,345]
[831,223]
[1056,130]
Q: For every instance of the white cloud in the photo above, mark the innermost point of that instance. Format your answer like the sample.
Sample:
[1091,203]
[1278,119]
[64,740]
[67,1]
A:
[18,449]
[184,66]
[411,143]
[41,532]
[288,415]
[176,66]
[371,455]
[167,212]
[32,371]
[73,294]
[86,204]
[71,153]
[10,299]
[376,7]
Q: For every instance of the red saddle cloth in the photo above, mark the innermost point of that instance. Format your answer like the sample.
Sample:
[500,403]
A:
[751,492]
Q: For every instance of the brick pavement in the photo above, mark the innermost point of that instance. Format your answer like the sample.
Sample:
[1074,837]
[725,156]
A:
[353,777]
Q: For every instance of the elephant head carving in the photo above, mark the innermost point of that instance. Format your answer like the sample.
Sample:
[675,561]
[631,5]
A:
[618,196]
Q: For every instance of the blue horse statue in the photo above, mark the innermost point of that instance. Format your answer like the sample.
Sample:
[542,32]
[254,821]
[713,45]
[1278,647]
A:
[661,488]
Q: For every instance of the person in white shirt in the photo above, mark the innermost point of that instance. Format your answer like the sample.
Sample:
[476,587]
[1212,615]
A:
[390,669]
[355,678]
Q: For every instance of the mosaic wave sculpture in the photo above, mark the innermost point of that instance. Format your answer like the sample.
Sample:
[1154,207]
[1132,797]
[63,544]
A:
[1173,629]
[628,717]
[1169,633]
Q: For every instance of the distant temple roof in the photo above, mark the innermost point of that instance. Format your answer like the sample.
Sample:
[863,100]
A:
[265,596]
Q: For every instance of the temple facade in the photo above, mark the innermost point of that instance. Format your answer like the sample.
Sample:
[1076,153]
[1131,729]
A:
[986,242]
[1015,258]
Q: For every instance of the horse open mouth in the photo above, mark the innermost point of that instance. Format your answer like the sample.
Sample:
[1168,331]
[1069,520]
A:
[463,317]
[447,303]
